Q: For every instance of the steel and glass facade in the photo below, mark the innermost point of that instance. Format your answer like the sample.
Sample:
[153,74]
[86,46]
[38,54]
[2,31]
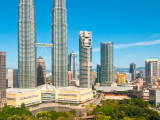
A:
[132,70]
[72,64]
[26,45]
[85,59]
[107,63]
[60,44]
[3,100]
[98,73]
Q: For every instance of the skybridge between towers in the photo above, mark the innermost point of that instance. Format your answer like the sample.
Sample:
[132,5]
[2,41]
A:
[44,47]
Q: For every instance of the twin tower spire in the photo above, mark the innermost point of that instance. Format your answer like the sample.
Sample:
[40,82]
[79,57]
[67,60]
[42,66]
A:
[27,77]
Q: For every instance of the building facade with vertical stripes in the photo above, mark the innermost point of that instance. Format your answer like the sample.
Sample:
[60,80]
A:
[72,64]
[3,100]
[27,77]
[85,59]
[60,44]
[107,63]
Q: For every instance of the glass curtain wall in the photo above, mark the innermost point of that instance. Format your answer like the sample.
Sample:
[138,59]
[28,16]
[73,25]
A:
[26,45]
[106,63]
[60,44]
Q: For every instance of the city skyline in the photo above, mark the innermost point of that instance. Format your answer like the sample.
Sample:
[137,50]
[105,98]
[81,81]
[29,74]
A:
[130,43]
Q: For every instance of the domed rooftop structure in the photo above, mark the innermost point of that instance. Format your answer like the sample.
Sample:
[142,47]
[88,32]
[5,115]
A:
[46,87]
[142,71]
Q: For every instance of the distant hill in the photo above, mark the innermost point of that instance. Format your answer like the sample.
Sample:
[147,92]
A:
[127,69]
[118,69]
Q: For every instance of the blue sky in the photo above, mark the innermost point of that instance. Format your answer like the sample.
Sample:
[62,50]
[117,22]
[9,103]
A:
[133,26]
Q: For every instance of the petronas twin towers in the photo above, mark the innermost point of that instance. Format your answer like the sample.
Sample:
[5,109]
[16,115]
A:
[27,77]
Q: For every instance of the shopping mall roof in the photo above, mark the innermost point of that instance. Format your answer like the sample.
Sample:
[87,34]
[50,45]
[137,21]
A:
[46,87]
[18,90]
[71,88]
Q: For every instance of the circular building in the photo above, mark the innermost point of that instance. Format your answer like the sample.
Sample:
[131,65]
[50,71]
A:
[48,93]
[141,74]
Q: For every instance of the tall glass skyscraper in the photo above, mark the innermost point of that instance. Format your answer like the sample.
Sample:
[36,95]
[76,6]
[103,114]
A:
[85,59]
[72,64]
[98,73]
[26,45]
[132,70]
[107,63]
[60,44]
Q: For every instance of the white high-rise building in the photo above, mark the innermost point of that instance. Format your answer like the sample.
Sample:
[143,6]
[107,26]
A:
[152,70]
[72,64]
[60,44]
[85,59]
[12,78]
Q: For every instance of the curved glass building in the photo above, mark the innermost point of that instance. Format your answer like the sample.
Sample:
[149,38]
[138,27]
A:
[26,45]
[60,44]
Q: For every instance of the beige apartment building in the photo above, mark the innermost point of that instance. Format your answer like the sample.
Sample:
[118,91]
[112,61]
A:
[152,70]
[11,78]
[70,77]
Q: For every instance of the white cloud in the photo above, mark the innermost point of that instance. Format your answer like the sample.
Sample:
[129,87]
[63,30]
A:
[120,46]
[96,50]
[155,35]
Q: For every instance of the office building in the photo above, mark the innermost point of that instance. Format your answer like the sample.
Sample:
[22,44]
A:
[27,77]
[132,70]
[128,77]
[72,64]
[60,44]
[141,74]
[94,77]
[107,63]
[159,69]
[121,78]
[70,77]
[154,96]
[115,74]
[85,59]
[11,78]
[98,73]
[41,71]
[3,100]
[152,70]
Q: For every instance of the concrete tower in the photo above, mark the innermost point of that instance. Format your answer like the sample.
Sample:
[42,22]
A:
[60,44]
[3,100]
[85,59]
[72,64]
[41,71]
[26,45]
[107,63]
